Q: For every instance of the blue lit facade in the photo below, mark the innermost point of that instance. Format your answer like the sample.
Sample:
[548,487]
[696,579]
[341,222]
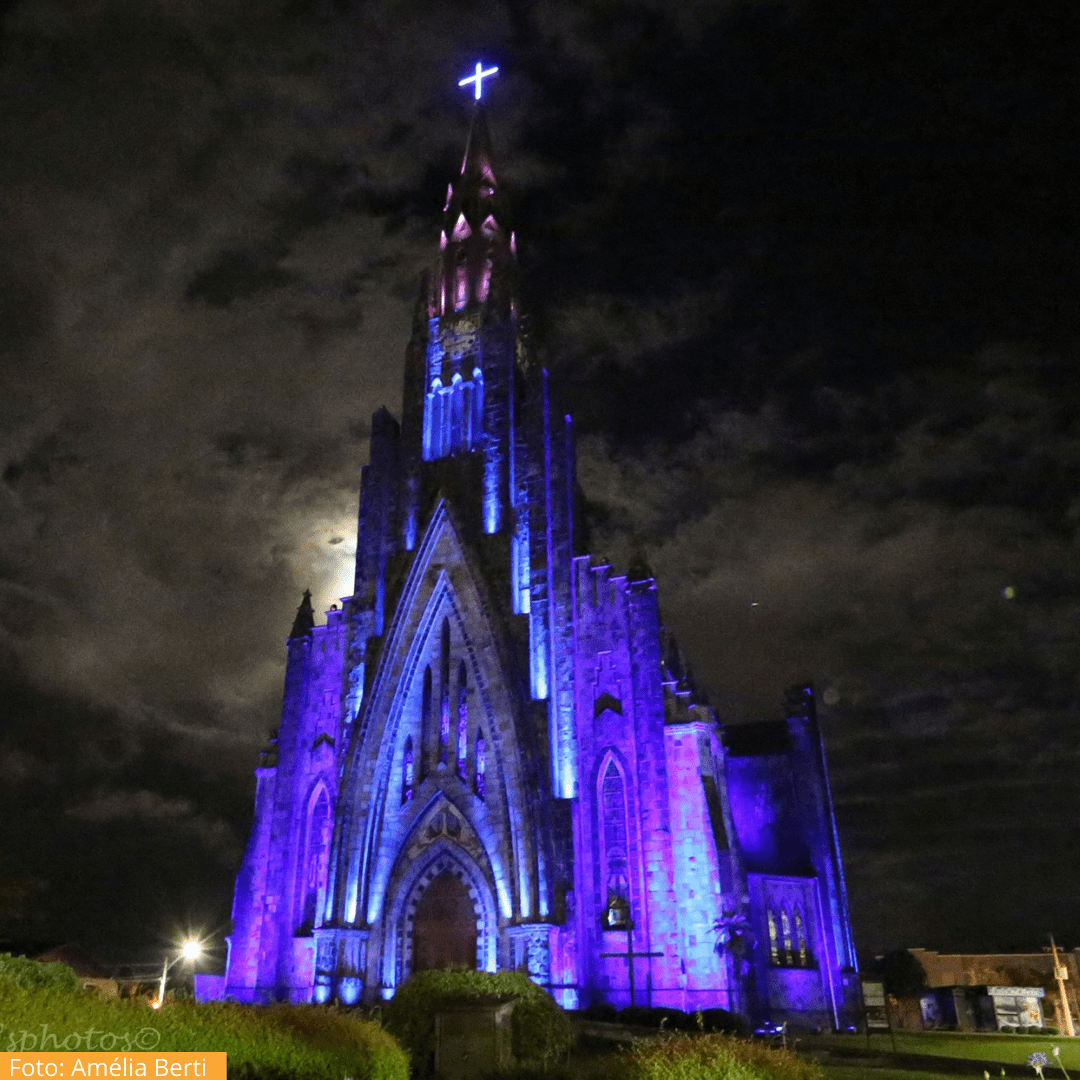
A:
[494,705]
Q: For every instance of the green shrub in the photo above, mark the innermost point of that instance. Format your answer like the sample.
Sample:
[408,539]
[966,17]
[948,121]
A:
[30,975]
[541,1030]
[596,1069]
[668,1019]
[281,1042]
[712,1057]
[724,1022]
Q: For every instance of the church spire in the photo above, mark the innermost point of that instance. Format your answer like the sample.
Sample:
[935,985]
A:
[476,241]
[477,186]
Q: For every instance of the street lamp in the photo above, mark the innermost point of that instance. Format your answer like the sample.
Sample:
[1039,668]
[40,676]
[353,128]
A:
[190,950]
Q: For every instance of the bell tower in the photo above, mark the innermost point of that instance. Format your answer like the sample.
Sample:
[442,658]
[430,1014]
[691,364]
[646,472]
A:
[471,290]
[467,372]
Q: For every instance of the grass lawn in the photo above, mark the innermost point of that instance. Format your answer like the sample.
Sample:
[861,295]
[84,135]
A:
[858,1072]
[977,1046]
[591,1062]
[607,1067]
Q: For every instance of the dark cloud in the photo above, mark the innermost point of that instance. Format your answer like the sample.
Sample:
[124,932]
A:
[802,273]
[911,549]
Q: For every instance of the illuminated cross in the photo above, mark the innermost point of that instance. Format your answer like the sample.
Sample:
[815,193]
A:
[481,74]
[630,955]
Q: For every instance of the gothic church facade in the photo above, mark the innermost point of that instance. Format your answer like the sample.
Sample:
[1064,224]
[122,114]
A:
[490,754]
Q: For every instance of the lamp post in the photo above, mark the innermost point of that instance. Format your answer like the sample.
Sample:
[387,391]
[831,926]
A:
[1061,973]
[190,950]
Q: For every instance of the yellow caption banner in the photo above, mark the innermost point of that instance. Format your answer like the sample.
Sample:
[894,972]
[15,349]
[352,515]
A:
[103,1066]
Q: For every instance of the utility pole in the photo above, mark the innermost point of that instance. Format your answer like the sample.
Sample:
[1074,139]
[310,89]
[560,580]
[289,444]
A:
[1061,974]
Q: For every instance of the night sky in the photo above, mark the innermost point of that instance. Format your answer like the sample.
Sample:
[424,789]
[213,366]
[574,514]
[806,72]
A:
[805,273]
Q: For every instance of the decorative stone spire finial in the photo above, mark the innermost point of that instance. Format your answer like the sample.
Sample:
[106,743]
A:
[476,242]
[305,618]
[639,569]
[475,192]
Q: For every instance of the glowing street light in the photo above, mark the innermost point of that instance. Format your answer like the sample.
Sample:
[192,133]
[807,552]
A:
[190,950]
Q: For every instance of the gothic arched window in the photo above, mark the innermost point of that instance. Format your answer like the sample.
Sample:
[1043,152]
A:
[785,931]
[467,415]
[485,282]
[457,419]
[444,694]
[774,945]
[800,937]
[408,775]
[462,723]
[613,815]
[425,721]
[434,421]
[429,410]
[445,398]
[481,765]
[316,860]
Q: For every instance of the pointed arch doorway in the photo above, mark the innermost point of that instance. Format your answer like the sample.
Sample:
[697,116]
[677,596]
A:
[412,877]
[444,925]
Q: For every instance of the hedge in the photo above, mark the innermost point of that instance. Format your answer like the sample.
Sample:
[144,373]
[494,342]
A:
[669,1019]
[541,1030]
[299,1042]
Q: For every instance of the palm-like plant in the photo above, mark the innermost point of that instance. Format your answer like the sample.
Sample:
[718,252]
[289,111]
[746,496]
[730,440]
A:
[734,936]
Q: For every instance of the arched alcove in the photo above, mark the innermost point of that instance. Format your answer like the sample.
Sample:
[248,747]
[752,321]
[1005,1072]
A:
[314,865]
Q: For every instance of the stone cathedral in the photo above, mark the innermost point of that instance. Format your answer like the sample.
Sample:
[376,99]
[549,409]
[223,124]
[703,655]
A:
[491,754]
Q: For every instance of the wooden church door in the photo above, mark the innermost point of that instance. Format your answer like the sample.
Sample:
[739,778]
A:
[444,926]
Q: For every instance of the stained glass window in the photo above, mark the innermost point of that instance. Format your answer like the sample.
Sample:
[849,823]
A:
[774,947]
[785,930]
[800,938]
[616,856]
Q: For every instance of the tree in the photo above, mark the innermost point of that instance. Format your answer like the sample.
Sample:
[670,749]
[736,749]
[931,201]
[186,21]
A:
[902,974]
